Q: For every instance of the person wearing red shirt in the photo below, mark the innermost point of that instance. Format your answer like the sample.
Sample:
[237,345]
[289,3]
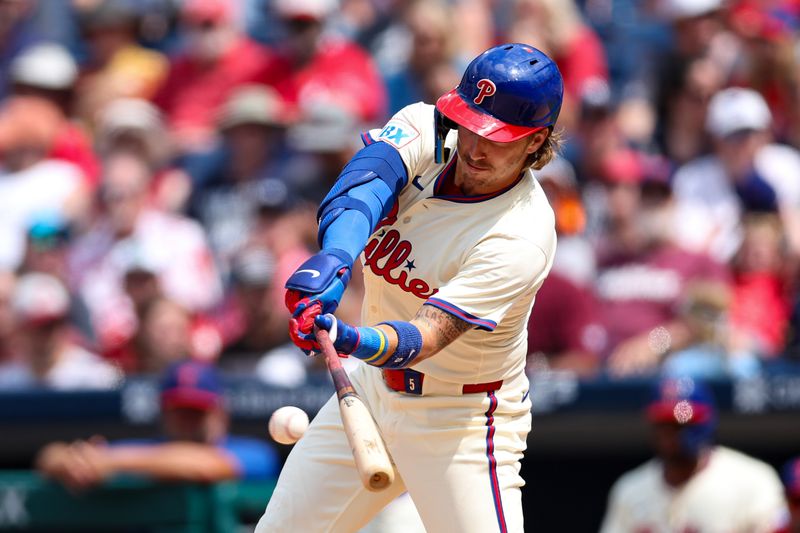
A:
[761,304]
[566,328]
[325,67]
[217,59]
[47,71]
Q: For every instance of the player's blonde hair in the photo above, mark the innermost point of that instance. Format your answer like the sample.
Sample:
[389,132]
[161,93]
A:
[549,149]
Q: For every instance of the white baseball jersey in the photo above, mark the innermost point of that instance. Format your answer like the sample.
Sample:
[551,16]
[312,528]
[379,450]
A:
[479,258]
[734,493]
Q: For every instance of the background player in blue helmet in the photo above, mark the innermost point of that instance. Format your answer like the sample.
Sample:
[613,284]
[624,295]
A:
[457,237]
[693,484]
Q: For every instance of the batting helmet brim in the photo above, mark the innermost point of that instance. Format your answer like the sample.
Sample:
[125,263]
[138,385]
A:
[454,107]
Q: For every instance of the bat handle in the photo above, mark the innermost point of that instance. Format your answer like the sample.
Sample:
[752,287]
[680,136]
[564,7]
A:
[369,451]
[340,380]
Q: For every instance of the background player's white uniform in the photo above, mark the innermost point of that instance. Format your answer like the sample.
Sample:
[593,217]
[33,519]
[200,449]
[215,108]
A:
[734,493]
[481,259]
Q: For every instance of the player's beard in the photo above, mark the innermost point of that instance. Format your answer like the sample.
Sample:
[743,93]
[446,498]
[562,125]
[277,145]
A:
[472,175]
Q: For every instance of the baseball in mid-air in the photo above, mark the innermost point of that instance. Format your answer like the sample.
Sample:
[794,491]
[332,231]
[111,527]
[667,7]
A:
[287,424]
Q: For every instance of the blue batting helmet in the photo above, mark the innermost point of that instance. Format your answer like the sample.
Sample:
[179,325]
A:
[689,404]
[506,93]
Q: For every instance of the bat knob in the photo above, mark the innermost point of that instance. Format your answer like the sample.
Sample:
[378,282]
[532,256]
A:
[379,481]
[332,332]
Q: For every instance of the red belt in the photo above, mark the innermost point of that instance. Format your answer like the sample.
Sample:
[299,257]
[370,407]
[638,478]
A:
[410,381]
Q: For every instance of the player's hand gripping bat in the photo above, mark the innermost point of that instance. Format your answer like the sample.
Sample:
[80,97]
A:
[369,451]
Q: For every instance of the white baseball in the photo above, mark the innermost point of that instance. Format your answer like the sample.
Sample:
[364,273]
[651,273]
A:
[287,424]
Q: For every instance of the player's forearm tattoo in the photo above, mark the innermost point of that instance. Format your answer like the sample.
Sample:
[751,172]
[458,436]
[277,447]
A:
[445,327]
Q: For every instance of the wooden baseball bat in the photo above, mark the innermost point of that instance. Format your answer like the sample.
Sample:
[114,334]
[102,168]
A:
[369,451]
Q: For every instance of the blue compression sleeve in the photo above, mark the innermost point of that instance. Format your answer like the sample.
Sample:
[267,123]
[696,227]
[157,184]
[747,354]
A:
[351,229]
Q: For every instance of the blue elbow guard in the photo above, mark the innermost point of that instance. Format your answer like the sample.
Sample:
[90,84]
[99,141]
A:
[379,174]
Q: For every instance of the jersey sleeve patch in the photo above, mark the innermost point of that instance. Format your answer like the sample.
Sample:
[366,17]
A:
[480,323]
[398,133]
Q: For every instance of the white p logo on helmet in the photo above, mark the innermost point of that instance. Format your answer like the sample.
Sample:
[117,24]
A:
[486,87]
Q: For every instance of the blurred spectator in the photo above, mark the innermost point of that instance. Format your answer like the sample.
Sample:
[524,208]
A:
[30,183]
[565,330]
[682,134]
[693,484]
[745,173]
[49,355]
[790,476]
[557,28]
[634,35]
[434,64]
[284,228]
[700,43]
[636,117]
[136,126]
[48,71]
[642,272]
[324,67]
[575,257]
[216,59]
[596,132]
[326,136]
[697,28]
[248,170]
[710,352]
[767,61]
[259,325]
[49,237]
[163,337]
[165,331]
[476,25]
[196,446]
[16,34]
[132,235]
[132,125]
[117,65]
[762,290]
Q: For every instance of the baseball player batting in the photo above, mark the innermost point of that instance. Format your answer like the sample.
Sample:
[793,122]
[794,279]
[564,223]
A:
[455,236]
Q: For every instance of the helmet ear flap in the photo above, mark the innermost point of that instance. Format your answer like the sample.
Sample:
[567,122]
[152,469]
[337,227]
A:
[442,125]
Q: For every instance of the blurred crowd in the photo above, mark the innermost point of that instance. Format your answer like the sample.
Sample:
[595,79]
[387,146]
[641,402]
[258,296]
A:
[161,162]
